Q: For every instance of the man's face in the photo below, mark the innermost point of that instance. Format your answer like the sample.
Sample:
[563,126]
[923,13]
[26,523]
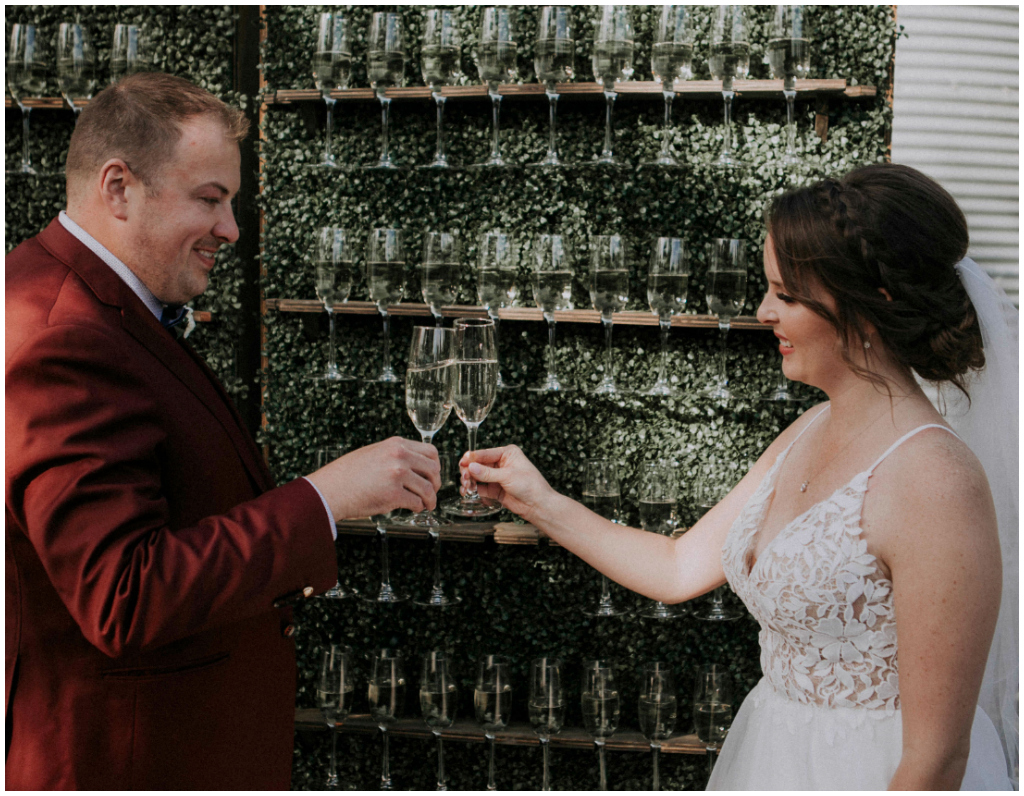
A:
[177,223]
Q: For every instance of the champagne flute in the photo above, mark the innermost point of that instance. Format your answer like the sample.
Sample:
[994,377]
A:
[385,275]
[438,698]
[789,55]
[332,66]
[671,60]
[612,60]
[709,490]
[726,292]
[553,60]
[782,393]
[657,709]
[130,52]
[492,702]
[600,703]
[76,64]
[667,283]
[547,705]
[386,593]
[609,292]
[497,261]
[712,708]
[325,456]
[335,272]
[659,513]
[441,56]
[26,77]
[334,698]
[386,695]
[552,291]
[385,57]
[476,387]
[496,63]
[729,60]
[439,271]
[601,495]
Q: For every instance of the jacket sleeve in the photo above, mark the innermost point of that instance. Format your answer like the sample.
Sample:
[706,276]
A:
[83,482]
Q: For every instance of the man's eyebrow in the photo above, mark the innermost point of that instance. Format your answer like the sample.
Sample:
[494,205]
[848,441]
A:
[216,185]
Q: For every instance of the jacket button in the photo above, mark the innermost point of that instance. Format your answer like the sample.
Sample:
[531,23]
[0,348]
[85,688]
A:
[307,592]
[288,631]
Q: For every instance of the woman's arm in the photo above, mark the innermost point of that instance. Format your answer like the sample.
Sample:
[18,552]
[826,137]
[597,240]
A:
[937,535]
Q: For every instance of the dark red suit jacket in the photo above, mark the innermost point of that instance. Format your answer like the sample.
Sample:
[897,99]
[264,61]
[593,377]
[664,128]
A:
[145,547]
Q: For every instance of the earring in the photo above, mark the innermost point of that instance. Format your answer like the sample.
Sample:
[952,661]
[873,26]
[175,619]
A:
[867,344]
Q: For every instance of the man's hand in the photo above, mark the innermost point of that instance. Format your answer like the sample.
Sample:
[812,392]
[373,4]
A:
[506,475]
[393,474]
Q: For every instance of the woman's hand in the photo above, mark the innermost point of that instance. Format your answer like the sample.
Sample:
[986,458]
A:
[506,475]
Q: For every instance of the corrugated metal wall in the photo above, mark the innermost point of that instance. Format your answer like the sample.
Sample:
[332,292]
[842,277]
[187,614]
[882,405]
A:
[956,102]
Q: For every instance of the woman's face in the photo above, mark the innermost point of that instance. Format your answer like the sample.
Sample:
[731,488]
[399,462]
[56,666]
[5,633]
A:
[809,345]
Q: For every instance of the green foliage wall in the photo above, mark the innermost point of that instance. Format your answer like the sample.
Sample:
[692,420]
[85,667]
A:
[527,601]
[195,42]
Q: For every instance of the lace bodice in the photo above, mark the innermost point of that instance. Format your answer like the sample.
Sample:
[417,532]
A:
[828,629]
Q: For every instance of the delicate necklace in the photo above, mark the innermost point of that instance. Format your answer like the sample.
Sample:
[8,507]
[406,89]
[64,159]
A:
[820,470]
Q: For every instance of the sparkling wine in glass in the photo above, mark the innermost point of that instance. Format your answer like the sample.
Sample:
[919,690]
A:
[609,293]
[332,67]
[726,292]
[599,700]
[601,494]
[554,54]
[76,64]
[385,275]
[712,708]
[710,488]
[497,262]
[492,702]
[130,52]
[671,60]
[612,60]
[668,281]
[386,695]
[385,65]
[789,55]
[334,691]
[439,271]
[659,513]
[335,272]
[441,60]
[325,456]
[496,64]
[26,77]
[729,60]
[552,292]
[438,699]
[547,705]
[658,708]
[476,387]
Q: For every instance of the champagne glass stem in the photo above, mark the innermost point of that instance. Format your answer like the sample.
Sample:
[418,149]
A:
[442,783]
[493,315]
[332,361]
[727,96]
[551,347]
[669,96]
[387,340]
[606,321]
[439,156]
[437,591]
[711,760]
[472,494]
[385,570]
[490,765]
[328,157]
[385,123]
[723,379]
[78,112]
[495,121]
[552,112]
[332,775]
[655,749]
[664,324]
[546,783]
[606,591]
[790,95]
[385,770]
[609,105]
[26,162]
[602,770]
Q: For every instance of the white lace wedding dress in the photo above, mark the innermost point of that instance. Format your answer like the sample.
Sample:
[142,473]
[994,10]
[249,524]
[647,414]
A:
[826,714]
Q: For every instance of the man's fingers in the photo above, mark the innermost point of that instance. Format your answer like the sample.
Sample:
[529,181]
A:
[486,456]
[485,474]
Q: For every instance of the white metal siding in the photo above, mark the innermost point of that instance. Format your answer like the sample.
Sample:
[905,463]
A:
[957,115]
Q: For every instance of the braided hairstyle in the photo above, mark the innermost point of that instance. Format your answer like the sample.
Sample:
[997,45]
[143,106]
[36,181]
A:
[882,242]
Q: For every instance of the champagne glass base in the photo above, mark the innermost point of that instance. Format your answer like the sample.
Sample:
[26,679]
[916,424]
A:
[550,384]
[385,595]
[384,165]
[662,160]
[428,520]
[331,376]
[435,164]
[551,161]
[24,171]
[438,600]
[328,165]
[608,387]
[718,393]
[662,611]
[722,615]
[662,389]
[607,609]
[729,163]
[607,160]
[464,507]
[335,593]
[493,163]
[386,376]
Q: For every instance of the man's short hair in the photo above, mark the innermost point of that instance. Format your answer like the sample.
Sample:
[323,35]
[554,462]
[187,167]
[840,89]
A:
[139,120]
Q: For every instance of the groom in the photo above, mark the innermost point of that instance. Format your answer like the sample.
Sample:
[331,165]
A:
[150,561]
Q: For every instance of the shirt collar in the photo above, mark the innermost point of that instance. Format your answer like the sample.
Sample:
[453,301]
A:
[127,275]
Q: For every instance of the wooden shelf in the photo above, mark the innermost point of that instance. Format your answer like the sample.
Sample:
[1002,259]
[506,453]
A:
[630,318]
[697,89]
[45,103]
[500,532]
[516,734]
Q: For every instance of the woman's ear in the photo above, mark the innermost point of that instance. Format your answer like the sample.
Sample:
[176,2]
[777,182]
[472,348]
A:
[886,293]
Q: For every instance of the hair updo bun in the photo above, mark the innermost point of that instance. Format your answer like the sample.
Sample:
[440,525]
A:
[883,242]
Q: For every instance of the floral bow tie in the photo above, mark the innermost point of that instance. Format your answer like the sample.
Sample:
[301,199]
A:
[178,320]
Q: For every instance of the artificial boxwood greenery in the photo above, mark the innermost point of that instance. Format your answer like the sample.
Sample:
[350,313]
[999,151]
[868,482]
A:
[528,601]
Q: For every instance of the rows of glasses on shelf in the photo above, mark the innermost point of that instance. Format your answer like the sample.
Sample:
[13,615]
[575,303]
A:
[550,260]
[32,58]
[657,708]
[554,62]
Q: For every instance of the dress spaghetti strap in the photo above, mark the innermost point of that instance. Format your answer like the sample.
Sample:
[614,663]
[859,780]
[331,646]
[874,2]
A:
[903,439]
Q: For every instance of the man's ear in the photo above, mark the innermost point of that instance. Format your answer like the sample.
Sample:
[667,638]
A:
[886,293]
[116,184]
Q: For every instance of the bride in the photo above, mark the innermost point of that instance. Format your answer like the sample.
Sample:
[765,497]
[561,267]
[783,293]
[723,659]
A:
[868,527]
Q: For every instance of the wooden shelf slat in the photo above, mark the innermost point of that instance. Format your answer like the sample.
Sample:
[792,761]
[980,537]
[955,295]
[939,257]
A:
[501,532]
[629,318]
[516,734]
